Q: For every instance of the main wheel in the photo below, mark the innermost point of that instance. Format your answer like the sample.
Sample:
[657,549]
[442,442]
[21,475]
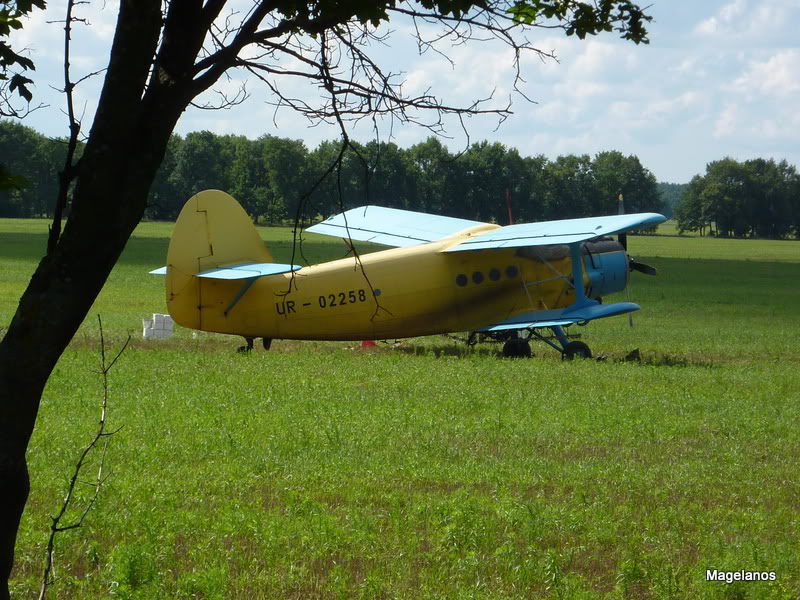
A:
[574,349]
[267,342]
[517,348]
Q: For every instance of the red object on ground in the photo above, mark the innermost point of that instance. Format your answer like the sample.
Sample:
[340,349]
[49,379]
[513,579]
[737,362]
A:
[368,344]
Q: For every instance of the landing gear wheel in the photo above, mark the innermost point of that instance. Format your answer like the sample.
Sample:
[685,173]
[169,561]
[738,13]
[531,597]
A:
[574,349]
[267,342]
[248,348]
[517,348]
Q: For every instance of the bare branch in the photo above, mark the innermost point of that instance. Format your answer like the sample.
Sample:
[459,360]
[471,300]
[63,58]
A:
[70,170]
[100,435]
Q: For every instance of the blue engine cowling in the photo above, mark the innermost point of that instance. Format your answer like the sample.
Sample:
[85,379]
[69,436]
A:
[607,265]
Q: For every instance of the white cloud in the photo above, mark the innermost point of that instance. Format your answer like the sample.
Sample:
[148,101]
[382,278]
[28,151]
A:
[727,122]
[598,59]
[767,21]
[778,76]
[690,66]
[729,16]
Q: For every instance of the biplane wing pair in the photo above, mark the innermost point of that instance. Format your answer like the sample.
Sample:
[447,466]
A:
[442,275]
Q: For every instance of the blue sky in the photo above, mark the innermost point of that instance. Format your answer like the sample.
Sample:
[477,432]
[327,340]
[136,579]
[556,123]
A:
[719,78]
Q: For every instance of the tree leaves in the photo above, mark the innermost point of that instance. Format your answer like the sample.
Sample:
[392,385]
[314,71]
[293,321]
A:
[19,84]
[10,19]
[582,18]
[9,181]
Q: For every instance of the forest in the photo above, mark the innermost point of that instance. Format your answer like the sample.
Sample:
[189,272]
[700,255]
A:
[755,198]
[274,177]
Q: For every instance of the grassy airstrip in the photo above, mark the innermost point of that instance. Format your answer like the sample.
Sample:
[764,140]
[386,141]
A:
[426,470]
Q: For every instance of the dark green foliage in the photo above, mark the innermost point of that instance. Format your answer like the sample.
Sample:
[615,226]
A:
[9,181]
[32,162]
[755,198]
[582,18]
[671,194]
[272,176]
[615,174]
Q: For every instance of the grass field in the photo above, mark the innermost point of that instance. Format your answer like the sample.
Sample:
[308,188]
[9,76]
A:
[426,470]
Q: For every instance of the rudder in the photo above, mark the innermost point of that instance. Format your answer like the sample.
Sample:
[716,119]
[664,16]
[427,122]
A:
[212,230]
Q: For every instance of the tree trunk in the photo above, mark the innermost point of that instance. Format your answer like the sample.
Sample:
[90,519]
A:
[124,150]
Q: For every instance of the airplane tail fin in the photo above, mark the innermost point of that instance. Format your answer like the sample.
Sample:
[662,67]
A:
[212,230]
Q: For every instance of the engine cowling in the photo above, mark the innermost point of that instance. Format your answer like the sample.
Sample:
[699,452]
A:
[607,265]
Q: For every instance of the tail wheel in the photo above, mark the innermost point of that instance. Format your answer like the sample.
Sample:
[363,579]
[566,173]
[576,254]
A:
[517,348]
[574,349]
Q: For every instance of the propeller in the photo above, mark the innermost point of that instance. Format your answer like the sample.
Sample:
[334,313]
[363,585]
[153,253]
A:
[622,238]
[633,265]
[642,268]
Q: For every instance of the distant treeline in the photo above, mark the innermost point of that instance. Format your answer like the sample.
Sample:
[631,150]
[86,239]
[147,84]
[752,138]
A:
[270,176]
[754,198]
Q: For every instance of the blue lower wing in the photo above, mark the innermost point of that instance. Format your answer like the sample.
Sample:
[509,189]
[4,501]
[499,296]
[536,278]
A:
[559,317]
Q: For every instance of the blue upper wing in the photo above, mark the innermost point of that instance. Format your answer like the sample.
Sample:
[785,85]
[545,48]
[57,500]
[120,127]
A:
[568,231]
[391,226]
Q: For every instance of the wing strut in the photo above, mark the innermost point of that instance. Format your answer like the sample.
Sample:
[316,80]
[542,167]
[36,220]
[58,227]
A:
[248,283]
[577,276]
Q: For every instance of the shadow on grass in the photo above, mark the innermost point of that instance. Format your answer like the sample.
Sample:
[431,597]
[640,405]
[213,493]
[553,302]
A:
[672,360]
[439,351]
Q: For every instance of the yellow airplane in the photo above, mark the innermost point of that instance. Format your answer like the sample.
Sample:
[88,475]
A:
[444,275]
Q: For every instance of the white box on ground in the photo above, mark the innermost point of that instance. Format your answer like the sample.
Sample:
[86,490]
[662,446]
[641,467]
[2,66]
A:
[159,327]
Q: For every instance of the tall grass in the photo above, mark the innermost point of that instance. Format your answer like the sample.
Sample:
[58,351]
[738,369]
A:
[427,470]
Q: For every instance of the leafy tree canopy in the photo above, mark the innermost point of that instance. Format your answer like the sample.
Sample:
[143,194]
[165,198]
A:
[12,13]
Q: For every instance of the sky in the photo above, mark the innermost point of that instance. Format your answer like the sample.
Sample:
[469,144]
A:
[719,78]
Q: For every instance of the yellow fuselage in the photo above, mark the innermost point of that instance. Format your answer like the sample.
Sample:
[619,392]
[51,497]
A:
[395,293]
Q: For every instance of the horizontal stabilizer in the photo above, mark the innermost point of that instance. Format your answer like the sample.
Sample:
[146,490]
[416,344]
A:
[567,316]
[391,226]
[248,271]
[545,233]
[240,271]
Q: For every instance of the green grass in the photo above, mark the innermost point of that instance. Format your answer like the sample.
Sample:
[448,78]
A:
[425,470]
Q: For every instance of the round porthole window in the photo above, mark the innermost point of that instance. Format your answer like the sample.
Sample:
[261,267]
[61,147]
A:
[461,280]
[512,271]
[494,274]
[477,277]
